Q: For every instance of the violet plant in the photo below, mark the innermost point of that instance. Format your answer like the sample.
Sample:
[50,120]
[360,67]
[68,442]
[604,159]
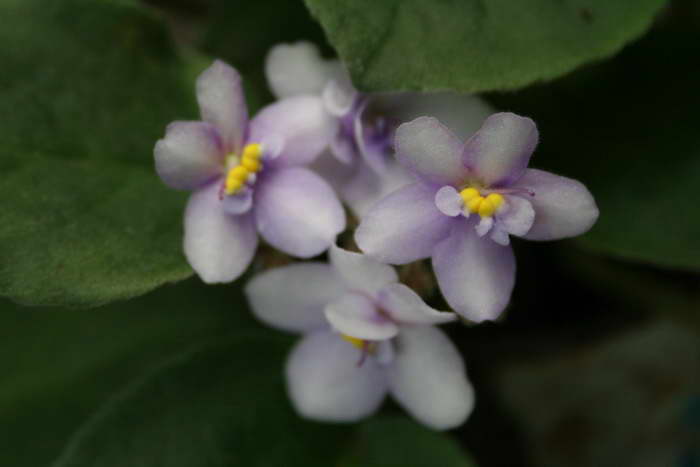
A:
[314,264]
[363,333]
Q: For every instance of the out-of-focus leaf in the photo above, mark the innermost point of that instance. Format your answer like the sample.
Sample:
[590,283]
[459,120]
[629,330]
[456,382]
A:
[400,442]
[86,90]
[223,405]
[629,130]
[60,366]
[475,45]
[619,401]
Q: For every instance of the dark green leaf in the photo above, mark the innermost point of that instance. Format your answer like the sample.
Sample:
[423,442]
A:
[87,88]
[220,406]
[629,130]
[60,366]
[475,45]
[401,442]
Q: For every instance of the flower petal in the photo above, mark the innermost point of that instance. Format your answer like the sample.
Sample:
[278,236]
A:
[404,226]
[463,114]
[239,203]
[339,94]
[563,207]
[355,315]
[190,155]
[343,149]
[292,298]
[448,201]
[301,123]
[222,103]
[298,68]
[326,383]
[431,151]
[519,216]
[405,306]
[428,378]
[373,141]
[297,212]
[365,187]
[475,274]
[218,246]
[360,272]
[499,152]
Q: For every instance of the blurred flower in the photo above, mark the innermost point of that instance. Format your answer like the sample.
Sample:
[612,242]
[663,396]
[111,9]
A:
[246,177]
[365,335]
[467,201]
[360,162]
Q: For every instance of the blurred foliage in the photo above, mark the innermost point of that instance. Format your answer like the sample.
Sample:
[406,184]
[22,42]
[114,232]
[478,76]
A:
[87,89]
[398,442]
[621,401]
[475,45]
[594,365]
[60,366]
[182,376]
[628,128]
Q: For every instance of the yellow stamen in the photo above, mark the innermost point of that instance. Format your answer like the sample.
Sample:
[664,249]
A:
[474,204]
[252,151]
[496,199]
[233,185]
[250,163]
[359,343]
[239,173]
[468,194]
[485,206]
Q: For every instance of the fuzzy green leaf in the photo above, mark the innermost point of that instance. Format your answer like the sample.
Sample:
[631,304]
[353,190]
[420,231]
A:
[87,89]
[475,45]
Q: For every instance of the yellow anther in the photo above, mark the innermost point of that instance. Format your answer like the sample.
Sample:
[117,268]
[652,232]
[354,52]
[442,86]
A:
[486,208]
[250,163]
[233,185]
[468,194]
[235,179]
[496,199]
[359,343]
[252,151]
[239,173]
[474,204]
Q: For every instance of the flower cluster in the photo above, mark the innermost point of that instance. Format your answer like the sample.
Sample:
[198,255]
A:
[418,191]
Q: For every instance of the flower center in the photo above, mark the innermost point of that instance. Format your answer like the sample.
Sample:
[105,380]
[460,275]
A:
[365,346]
[476,203]
[243,170]
[359,343]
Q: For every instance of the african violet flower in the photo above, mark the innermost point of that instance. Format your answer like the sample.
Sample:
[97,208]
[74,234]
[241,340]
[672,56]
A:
[365,335]
[360,163]
[246,177]
[467,201]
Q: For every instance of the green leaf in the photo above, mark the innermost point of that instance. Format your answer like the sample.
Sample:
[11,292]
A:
[60,366]
[87,89]
[475,45]
[222,405]
[629,130]
[401,442]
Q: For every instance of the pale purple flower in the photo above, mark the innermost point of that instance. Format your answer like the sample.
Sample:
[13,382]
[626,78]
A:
[365,336]
[246,177]
[360,162]
[467,201]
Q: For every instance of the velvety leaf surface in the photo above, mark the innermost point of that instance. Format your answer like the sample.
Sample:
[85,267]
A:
[60,366]
[629,130]
[86,90]
[625,400]
[222,405]
[400,442]
[475,45]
